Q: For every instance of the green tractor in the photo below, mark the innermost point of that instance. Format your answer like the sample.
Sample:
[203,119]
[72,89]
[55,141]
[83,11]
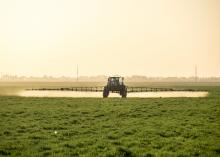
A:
[115,85]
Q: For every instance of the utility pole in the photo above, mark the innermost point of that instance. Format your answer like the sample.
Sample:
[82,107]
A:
[196,78]
[77,73]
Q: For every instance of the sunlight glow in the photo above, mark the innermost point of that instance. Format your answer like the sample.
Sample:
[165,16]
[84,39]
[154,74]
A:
[126,37]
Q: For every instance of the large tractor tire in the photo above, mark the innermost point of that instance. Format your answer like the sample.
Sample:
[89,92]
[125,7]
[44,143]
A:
[124,92]
[105,92]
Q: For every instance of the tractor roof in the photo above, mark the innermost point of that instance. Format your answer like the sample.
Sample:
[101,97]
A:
[117,76]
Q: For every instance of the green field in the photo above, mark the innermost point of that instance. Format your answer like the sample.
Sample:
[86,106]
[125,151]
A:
[109,127]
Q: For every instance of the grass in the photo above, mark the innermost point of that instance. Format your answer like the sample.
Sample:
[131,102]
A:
[110,127]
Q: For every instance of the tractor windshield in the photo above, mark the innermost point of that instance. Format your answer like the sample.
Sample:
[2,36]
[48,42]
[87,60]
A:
[114,81]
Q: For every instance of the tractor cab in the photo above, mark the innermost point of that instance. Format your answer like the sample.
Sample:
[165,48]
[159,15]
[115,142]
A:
[115,81]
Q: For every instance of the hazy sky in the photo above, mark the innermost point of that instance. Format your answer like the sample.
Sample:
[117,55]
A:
[125,37]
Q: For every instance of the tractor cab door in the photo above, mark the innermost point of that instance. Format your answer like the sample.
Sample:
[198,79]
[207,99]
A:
[113,81]
[121,81]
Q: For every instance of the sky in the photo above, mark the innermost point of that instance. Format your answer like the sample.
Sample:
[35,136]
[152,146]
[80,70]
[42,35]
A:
[110,37]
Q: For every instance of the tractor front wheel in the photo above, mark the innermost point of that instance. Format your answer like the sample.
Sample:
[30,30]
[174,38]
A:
[124,93]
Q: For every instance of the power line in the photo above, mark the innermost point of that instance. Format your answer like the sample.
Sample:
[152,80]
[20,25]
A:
[77,73]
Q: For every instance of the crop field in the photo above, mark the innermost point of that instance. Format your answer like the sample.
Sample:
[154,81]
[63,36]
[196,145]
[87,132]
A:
[145,127]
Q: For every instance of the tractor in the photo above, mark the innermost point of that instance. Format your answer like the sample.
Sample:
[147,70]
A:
[115,85]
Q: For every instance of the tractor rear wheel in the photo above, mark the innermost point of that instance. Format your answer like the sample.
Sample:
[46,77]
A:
[105,92]
[124,93]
